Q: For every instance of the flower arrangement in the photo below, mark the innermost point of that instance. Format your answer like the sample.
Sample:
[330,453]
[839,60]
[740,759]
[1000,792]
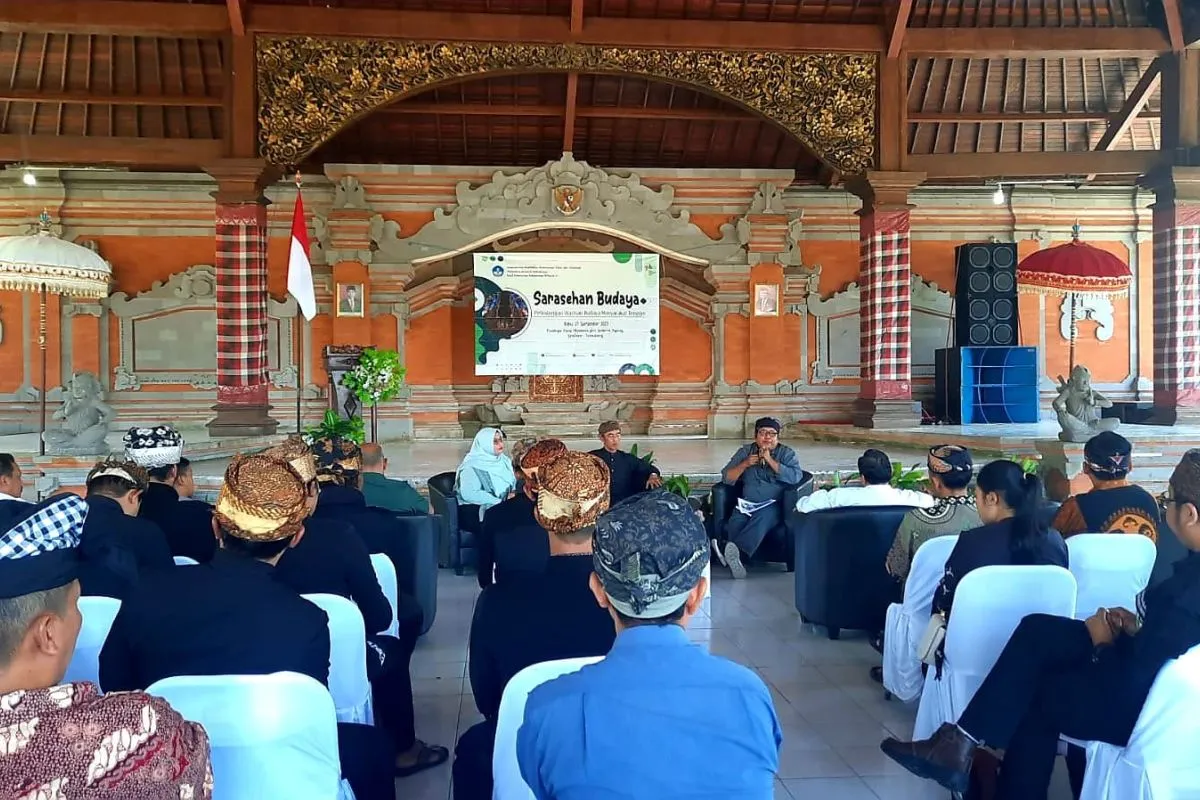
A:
[378,376]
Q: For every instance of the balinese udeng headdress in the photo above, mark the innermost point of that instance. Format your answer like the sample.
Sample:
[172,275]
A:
[947,458]
[572,492]
[338,460]
[541,453]
[114,467]
[263,499]
[1108,455]
[152,448]
[296,453]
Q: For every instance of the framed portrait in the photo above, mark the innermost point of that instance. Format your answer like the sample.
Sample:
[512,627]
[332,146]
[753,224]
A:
[766,300]
[350,300]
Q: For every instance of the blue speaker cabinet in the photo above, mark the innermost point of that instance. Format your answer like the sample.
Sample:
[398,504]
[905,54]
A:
[987,385]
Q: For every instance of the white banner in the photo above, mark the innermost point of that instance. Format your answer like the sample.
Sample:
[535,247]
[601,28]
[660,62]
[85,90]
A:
[566,313]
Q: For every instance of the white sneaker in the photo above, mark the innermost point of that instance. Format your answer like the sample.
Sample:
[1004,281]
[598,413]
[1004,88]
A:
[733,559]
[716,548]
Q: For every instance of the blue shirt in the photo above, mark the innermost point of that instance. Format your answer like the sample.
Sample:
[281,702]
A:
[658,718]
[760,482]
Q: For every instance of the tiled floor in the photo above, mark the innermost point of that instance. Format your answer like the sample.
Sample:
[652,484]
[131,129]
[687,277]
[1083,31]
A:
[833,716]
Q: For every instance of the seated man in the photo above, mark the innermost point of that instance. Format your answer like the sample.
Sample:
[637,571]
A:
[764,469]
[658,717]
[630,474]
[56,738]
[538,617]
[188,526]
[11,485]
[234,617]
[876,470]
[116,546]
[1059,676]
[384,492]
[185,481]
[512,542]
[1113,505]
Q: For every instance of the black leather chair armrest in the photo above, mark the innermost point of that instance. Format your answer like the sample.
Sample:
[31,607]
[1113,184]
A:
[416,554]
[724,498]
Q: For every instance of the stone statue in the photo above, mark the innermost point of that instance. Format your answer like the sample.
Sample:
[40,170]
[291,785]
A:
[86,418]
[1078,407]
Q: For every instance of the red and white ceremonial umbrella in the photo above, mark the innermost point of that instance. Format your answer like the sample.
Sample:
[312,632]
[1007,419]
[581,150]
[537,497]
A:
[1074,269]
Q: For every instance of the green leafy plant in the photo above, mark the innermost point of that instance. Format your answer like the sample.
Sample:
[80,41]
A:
[378,376]
[648,457]
[911,478]
[678,484]
[1029,465]
[335,426]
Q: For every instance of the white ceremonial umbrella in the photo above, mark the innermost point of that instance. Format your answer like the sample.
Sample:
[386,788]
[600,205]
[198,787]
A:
[42,262]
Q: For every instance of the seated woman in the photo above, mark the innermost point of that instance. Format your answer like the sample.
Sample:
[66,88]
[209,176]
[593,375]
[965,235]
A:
[1113,504]
[485,477]
[1013,534]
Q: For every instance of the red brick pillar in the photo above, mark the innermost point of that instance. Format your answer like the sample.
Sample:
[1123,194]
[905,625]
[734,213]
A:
[242,407]
[885,310]
[1177,296]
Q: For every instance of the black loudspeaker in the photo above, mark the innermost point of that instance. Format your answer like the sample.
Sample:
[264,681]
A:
[985,313]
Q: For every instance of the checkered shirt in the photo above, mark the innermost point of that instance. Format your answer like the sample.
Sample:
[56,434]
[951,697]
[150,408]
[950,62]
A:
[885,311]
[241,271]
[55,526]
[1177,305]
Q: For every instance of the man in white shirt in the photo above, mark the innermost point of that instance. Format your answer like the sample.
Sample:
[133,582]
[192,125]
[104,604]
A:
[11,486]
[876,470]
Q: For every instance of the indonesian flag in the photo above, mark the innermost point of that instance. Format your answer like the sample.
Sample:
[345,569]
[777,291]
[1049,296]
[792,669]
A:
[300,276]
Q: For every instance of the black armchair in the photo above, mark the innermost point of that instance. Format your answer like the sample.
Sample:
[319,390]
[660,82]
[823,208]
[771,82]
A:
[460,523]
[841,577]
[778,546]
[415,555]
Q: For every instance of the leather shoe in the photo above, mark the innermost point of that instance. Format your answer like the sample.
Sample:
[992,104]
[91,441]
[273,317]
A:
[877,674]
[945,758]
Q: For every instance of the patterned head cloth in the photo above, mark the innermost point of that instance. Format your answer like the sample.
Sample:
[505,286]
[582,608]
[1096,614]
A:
[114,467]
[160,446]
[608,426]
[572,492]
[539,455]
[519,448]
[649,552]
[338,459]
[1108,455]
[263,499]
[947,458]
[767,422]
[295,452]
[1185,480]
[39,549]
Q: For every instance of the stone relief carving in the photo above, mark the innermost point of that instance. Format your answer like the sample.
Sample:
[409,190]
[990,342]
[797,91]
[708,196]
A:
[611,201]
[286,378]
[767,200]
[85,417]
[791,256]
[1093,307]
[349,194]
[311,87]
[838,354]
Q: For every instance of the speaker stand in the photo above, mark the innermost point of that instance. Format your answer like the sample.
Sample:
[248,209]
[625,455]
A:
[886,414]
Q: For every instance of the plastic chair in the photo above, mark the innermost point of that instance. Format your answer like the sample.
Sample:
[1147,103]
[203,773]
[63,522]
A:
[1159,762]
[1111,569]
[98,614]
[988,605]
[347,658]
[271,735]
[184,561]
[506,772]
[907,621]
[385,573]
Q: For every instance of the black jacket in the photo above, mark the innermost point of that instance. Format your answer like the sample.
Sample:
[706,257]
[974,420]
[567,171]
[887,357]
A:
[188,525]
[332,559]
[536,618]
[627,473]
[116,549]
[512,541]
[228,617]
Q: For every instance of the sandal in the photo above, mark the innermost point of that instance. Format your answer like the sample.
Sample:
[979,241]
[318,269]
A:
[428,757]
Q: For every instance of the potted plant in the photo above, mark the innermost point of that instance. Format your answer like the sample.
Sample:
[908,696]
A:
[682,485]
[647,457]
[378,376]
[334,426]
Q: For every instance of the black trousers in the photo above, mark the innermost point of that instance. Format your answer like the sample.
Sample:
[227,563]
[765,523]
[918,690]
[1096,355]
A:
[1046,684]
[368,761]
[473,762]
[388,659]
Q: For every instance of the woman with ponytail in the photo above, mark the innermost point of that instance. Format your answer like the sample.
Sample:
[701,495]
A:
[1013,531]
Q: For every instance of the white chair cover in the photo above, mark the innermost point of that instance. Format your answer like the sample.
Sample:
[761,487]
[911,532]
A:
[708,577]
[271,735]
[385,573]
[989,603]
[185,561]
[506,772]
[1111,569]
[347,658]
[98,614]
[907,621]
[1159,763]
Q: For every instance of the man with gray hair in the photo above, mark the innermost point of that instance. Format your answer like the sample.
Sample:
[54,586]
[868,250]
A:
[639,723]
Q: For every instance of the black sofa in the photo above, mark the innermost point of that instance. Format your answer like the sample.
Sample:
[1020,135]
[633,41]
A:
[460,524]
[779,545]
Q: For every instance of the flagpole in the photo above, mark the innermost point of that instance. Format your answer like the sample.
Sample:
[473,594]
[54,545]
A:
[300,358]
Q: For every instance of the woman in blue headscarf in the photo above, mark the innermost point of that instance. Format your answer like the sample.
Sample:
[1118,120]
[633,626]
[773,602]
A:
[485,477]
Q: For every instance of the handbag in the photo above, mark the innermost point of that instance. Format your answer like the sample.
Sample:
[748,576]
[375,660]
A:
[930,646]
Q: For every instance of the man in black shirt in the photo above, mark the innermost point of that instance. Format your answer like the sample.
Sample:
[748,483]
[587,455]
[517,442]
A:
[188,526]
[538,617]
[630,474]
[115,545]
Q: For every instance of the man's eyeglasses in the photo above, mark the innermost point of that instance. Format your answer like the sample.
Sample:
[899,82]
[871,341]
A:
[1164,500]
[769,433]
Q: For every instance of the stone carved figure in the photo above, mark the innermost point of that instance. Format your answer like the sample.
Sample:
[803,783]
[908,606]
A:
[1078,407]
[85,419]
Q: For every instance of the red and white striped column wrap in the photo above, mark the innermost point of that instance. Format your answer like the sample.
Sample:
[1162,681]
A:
[1177,306]
[885,321]
[241,267]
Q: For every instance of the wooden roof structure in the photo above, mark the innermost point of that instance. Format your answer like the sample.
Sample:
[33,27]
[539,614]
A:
[964,90]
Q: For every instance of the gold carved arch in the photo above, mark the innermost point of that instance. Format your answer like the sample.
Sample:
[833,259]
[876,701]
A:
[309,88]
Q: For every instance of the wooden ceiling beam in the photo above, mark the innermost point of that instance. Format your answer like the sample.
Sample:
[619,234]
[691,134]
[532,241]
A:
[576,17]
[109,151]
[1174,25]
[954,117]
[1001,42]
[898,28]
[1146,86]
[1034,165]
[133,17]
[237,16]
[407,108]
[570,111]
[78,98]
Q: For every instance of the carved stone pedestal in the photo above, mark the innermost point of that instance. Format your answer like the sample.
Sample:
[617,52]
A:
[560,420]
[241,420]
[886,414]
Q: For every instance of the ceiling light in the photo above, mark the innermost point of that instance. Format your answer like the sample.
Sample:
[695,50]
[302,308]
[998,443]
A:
[998,196]
[28,178]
